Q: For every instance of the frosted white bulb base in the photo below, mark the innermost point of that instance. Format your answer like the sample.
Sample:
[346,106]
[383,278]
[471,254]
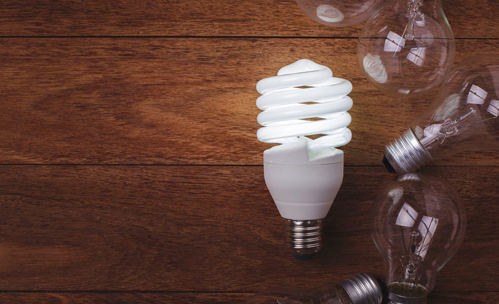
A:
[303,187]
[405,154]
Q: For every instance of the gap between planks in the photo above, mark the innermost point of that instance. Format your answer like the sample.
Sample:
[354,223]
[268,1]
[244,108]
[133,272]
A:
[202,37]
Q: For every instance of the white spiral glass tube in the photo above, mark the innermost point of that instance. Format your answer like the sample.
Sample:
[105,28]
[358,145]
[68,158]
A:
[304,99]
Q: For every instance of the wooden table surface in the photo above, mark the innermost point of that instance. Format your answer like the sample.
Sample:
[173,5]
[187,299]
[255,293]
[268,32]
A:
[130,170]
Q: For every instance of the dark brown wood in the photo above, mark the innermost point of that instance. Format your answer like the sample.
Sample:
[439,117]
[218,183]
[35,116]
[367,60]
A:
[208,298]
[136,298]
[205,228]
[469,18]
[176,101]
[161,207]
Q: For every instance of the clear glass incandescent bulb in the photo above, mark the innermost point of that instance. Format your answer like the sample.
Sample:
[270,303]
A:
[464,118]
[359,289]
[337,13]
[418,226]
[407,47]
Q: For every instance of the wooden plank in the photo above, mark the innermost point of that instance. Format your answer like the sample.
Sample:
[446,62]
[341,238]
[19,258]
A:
[471,19]
[103,298]
[176,101]
[211,228]
[209,298]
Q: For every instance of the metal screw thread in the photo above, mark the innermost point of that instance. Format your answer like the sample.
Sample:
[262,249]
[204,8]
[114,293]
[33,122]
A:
[362,289]
[406,154]
[305,236]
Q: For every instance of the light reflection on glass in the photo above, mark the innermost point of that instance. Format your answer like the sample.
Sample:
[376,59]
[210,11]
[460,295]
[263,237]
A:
[375,68]
[417,55]
[407,216]
[427,228]
[476,95]
[394,42]
[494,107]
[329,13]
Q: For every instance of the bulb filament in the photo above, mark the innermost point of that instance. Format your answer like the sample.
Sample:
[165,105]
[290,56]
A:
[413,12]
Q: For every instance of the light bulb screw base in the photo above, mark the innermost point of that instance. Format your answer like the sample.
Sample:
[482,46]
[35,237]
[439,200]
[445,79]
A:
[305,237]
[362,289]
[406,154]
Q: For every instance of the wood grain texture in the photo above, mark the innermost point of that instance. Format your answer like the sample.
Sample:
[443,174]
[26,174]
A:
[469,18]
[208,298]
[115,298]
[205,228]
[177,101]
[160,206]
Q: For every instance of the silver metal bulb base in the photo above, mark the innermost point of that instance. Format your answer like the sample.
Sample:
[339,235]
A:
[362,289]
[305,236]
[406,154]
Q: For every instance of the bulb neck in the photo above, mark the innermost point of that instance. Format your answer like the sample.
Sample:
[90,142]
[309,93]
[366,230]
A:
[396,299]
[416,9]
[406,154]
[404,293]
[431,4]
[305,237]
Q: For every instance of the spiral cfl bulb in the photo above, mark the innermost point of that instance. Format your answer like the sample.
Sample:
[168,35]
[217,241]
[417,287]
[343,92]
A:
[303,174]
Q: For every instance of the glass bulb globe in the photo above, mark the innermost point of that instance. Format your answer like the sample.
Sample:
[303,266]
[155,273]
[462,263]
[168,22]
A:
[337,13]
[407,47]
[464,118]
[418,226]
